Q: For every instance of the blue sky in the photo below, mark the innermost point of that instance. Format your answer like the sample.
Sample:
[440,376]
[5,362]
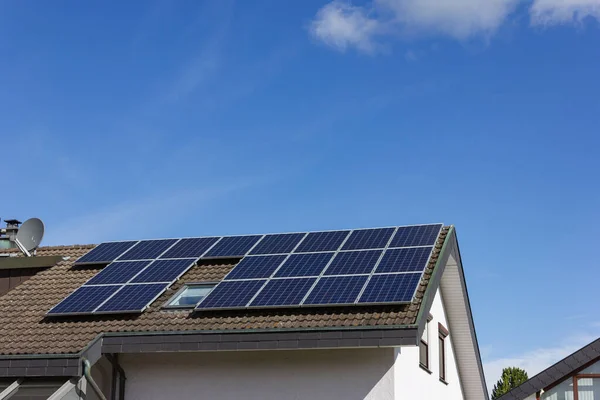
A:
[166,119]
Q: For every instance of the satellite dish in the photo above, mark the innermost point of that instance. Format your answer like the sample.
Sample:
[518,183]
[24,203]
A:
[30,235]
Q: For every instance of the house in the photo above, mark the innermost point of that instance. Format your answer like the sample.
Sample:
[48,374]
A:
[576,377]
[331,335]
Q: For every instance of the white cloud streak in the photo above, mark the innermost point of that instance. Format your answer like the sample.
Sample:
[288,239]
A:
[342,25]
[536,360]
[554,12]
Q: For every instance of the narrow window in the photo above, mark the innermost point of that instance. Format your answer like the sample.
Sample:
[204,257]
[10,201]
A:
[442,335]
[424,346]
[189,295]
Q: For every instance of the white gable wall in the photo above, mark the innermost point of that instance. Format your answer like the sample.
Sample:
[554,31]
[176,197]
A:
[261,375]
[413,382]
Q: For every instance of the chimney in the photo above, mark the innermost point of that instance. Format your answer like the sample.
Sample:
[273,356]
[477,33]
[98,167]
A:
[9,234]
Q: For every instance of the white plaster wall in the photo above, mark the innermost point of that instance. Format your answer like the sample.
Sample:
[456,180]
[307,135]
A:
[412,382]
[262,375]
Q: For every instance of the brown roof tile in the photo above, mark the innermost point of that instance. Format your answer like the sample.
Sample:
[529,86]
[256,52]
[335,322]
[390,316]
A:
[25,329]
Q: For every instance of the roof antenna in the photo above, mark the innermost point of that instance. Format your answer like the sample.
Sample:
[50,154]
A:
[30,235]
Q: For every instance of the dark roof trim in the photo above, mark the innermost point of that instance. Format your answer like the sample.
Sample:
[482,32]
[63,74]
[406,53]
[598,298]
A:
[29,262]
[566,367]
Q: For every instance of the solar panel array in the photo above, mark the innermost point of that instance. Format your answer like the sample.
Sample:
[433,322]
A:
[364,266]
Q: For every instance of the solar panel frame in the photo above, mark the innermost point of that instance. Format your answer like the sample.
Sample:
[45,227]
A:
[280,243]
[297,261]
[407,282]
[353,287]
[148,249]
[251,287]
[109,251]
[369,239]
[233,250]
[191,247]
[323,241]
[362,262]
[284,292]
[407,259]
[126,270]
[173,267]
[101,293]
[416,235]
[141,295]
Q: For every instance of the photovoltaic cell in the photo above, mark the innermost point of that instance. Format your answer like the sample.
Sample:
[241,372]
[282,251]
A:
[353,262]
[412,259]
[132,298]
[322,241]
[423,235]
[396,288]
[233,246]
[164,270]
[118,272]
[278,244]
[368,239]
[256,267]
[105,252]
[84,300]
[147,249]
[304,265]
[229,294]
[190,248]
[283,292]
[337,290]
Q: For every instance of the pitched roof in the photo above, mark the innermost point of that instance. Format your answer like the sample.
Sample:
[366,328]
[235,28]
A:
[25,329]
[558,372]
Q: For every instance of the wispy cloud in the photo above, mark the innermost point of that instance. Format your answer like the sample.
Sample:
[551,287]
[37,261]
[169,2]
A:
[533,361]
[553,12]
[342,25]
[144,217]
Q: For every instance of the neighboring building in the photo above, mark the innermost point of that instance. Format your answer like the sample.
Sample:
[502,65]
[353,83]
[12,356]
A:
[424,348]
[576,377]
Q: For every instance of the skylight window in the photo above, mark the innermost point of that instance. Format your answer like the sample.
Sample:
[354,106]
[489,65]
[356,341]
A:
[190,295]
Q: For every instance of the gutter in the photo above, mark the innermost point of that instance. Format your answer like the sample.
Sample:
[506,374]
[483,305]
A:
[87,373]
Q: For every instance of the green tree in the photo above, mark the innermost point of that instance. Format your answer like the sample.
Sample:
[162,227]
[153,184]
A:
[510,379]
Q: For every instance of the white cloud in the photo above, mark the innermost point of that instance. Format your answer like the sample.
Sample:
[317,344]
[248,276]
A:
[533,361]
[552,12]
[341,25]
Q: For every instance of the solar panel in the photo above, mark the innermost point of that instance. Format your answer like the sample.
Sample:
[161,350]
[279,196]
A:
[412,259]
[231,294]
[283,292]
[84,300]
[132,298]
[148,249]
[322,241]
[391,288]
[311,264]
[421,235]
[164,270]
[278,244]
[118,272]
[254,267]
[105,252]
[336,290]
[190,248]
[233,246]
[368,239]
[353,262]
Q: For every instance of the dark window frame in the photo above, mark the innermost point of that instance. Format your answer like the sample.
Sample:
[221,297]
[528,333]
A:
[424,347]
[442,335]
